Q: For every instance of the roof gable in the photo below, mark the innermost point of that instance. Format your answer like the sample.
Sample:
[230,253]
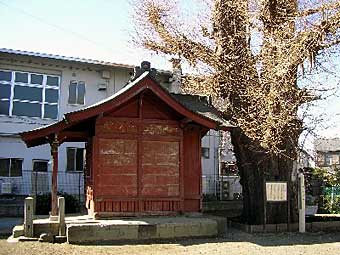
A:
[144,82]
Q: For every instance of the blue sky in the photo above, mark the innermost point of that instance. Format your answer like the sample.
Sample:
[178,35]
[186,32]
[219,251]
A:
[96,29]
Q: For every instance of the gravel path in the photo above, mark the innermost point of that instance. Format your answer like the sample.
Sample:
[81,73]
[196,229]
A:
[235,242]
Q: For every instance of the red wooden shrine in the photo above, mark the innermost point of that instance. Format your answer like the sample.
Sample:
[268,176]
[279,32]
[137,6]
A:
[143,149]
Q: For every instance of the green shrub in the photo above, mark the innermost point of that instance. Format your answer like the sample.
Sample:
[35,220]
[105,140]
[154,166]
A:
[43,203]
[328,206]
[209,197]
[326,182]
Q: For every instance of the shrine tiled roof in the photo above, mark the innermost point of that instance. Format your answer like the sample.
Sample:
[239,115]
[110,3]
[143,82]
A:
[201,106]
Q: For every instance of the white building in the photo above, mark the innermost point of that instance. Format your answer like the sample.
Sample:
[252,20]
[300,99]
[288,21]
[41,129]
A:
[217,161]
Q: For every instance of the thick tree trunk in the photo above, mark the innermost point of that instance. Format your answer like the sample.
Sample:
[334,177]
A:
[262,97]
[256,167]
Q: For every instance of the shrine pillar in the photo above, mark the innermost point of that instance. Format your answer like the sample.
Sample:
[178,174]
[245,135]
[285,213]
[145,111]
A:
[54,197]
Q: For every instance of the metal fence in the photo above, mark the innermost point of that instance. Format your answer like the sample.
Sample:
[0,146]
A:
[332,191]
[39,183]
[214,187]
[217,187]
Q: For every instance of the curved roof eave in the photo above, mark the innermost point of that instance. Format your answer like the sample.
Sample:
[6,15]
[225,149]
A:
[145,81]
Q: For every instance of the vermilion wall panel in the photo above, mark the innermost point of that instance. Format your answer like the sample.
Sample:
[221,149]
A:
[192,169]
[129,110]
[148,165]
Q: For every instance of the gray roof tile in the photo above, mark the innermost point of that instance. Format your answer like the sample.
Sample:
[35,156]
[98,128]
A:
[327,144]
[201,106]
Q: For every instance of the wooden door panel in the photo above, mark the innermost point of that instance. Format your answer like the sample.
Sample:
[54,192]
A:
[160,168]
[138,165]
[117,167]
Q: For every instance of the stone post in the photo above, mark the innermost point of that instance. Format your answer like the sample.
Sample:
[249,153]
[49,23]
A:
[302,204]
[28,217]
[61,216]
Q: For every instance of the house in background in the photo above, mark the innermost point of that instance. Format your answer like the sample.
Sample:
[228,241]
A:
[305,159]
[327,153]
[36,90]
[210,162]
[220,176]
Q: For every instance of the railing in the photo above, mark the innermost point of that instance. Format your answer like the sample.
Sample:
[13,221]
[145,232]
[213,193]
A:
[214,187]
[332,191]
[39,183]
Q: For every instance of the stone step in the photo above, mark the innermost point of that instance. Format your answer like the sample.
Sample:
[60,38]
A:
[18,231]
[27,239]
[60,239]
[41,227]
[136,230]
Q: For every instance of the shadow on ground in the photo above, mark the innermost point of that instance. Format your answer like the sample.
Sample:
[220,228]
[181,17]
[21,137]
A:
[265,240]
[232,235]
[7,224]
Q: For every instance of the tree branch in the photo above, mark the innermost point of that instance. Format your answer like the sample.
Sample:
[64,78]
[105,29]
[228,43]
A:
[325,7]
[328,45]
[175,42]
[308,43]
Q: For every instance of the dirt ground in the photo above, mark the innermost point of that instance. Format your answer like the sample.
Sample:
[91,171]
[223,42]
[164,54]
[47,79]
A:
[235,242]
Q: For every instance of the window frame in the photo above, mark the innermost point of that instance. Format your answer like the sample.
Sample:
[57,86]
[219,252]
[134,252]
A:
[205,150]
[75,159]
[12,100]
[10,166]
[40,160]
[328,159]
[77,93]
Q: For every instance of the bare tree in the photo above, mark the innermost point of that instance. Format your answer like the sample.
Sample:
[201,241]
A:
[250,54]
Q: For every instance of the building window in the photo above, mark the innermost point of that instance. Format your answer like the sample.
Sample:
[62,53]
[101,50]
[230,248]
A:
[29,94]
[205,152]
[76,93]
[40,165]
[336,159]
[328,159]
[228,168]
[75,159]
[10,167]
